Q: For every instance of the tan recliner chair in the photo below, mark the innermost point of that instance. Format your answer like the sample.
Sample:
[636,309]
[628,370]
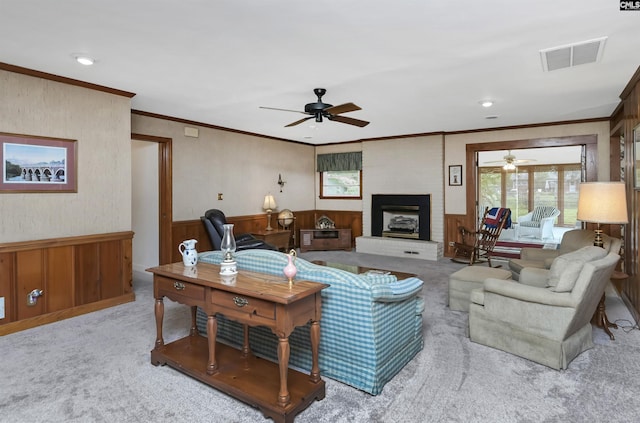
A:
[546,317]
[571,241]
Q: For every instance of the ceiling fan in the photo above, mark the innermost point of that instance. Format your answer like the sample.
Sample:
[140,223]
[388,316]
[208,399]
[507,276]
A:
[320,110]
[510,161]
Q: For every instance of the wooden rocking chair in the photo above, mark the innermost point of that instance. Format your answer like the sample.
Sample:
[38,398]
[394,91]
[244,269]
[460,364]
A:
[477,246]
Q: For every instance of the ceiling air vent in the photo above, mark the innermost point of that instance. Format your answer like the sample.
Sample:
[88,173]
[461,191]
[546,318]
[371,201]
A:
[572,54]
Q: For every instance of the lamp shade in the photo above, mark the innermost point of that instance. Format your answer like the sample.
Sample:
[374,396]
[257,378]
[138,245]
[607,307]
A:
[269,202]
[603,202]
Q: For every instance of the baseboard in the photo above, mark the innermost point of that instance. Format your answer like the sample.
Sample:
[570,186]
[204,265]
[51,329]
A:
[64,314]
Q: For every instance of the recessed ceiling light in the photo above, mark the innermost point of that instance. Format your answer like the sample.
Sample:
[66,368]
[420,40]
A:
[85,60]
[486,103]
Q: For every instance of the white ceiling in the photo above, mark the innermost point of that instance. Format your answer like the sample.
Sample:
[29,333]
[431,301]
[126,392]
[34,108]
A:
[413,66]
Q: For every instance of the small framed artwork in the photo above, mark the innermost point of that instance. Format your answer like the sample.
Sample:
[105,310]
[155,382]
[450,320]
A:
[455,175]
[37,164]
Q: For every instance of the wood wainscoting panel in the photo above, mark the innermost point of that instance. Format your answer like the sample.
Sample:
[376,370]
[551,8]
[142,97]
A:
[87,268]
[59,292]
[30,276]
[77,275]
[7,286]
[194,229]
[451,232]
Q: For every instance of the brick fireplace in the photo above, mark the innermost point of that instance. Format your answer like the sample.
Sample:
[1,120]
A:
[401,227]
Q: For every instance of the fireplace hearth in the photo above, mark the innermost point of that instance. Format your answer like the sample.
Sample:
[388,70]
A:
[401,216]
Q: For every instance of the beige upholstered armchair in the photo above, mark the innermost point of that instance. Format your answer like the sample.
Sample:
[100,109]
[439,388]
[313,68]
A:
[546,317]
[571,241]
[539,222]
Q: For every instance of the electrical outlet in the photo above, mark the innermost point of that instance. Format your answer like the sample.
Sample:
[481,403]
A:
[1,307]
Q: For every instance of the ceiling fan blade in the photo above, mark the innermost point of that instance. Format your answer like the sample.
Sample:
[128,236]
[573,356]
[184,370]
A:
[524,160]
[342,108]
[348,120]
[282,110]
[298,122]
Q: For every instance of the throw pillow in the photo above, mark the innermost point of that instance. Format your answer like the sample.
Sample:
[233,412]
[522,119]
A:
[566,268]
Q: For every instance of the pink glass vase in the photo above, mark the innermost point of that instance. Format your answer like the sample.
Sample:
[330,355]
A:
[290,269]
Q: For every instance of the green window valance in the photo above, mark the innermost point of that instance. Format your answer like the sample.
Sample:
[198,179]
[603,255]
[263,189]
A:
[340,161]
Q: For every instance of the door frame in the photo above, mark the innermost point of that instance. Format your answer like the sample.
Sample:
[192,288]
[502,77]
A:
[165,194]
[590,142]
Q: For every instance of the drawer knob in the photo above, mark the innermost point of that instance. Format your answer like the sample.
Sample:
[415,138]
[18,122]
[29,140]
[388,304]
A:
[178,286]
[240,302]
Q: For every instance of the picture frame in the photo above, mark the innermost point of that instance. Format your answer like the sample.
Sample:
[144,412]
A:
[455,175]
[33,164]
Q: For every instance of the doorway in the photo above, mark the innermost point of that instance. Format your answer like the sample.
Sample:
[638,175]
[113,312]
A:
[526,178]
[588,143]
[152,203]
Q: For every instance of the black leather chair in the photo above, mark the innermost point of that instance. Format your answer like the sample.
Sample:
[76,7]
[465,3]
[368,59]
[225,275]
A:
[214,219]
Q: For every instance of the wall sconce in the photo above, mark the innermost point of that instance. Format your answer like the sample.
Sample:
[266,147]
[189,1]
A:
[281,182]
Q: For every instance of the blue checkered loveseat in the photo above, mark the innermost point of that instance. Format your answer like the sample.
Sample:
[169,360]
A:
[371,324]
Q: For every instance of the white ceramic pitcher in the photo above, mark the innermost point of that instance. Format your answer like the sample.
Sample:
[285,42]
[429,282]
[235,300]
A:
[188,250]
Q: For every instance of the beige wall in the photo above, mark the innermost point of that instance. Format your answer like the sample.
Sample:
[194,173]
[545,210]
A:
[243,168]
[100,122]
[455,152]
[398,166]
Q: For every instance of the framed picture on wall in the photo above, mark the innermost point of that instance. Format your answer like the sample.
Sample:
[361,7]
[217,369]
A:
[455,175]
[37,164]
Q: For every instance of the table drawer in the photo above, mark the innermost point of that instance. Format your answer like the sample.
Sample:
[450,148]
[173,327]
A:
[184,289]
[243,304]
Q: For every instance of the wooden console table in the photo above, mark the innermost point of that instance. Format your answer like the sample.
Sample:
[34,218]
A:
[254,299]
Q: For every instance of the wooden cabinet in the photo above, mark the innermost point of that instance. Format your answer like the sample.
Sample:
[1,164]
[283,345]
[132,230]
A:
[325,239]
[76,275]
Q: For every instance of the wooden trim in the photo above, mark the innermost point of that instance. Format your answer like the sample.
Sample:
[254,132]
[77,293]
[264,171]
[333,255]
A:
[69,81]
[65,314]
[165,194]
[590,141]
[210,126]
[63,242]
[631,85]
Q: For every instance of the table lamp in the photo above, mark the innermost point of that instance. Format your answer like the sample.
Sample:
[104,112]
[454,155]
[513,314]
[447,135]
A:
[269,205]
[602,202]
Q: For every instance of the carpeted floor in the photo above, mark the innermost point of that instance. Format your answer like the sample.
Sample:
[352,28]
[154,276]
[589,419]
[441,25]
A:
[96,368]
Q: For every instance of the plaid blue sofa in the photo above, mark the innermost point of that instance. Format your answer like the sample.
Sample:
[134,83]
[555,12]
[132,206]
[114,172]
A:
[371,324]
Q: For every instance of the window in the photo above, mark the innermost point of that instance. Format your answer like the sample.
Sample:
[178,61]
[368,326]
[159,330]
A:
[529,186]
[340,175]
[341,184]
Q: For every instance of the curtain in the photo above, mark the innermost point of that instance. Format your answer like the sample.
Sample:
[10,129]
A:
[340,161]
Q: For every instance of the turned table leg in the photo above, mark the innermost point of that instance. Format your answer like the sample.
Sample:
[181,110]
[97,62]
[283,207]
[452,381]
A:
[283,363]
[315,342]
[245,345]
[194,328]
[212,332]
[159,312]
